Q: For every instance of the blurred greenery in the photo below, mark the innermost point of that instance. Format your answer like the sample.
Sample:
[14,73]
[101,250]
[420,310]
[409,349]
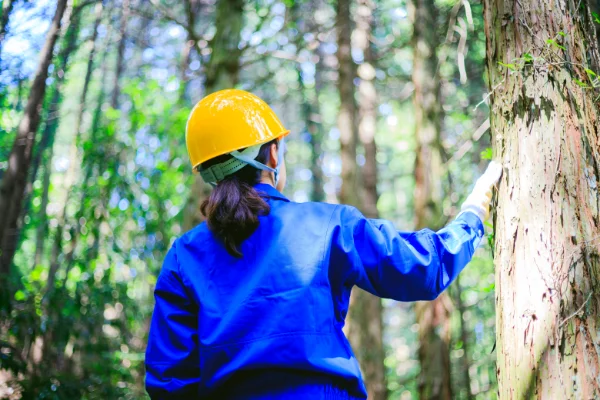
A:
[79,330]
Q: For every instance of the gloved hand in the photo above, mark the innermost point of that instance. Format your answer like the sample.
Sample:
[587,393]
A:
[478,201]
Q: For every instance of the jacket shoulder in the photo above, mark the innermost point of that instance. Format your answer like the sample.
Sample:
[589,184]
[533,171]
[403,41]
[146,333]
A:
[199,233]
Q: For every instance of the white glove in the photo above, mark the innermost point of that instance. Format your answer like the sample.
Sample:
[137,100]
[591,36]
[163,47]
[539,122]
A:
[479,200]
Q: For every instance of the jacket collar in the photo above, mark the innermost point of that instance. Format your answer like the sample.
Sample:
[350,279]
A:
[270,191]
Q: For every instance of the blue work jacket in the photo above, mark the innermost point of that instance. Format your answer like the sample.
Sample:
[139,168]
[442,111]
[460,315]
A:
[269,325]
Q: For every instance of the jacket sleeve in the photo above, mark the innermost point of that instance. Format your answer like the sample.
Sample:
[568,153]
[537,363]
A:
[172,359]
[403,266]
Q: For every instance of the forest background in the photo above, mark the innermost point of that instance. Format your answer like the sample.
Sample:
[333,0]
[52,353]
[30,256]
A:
[388,105]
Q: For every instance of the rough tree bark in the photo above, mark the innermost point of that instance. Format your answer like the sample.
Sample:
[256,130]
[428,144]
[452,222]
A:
[433,317]
[222,72]
[547,227]
[363,324]
[19,160]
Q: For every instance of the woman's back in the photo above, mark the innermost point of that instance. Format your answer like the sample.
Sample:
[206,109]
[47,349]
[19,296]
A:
[266,313]
[229,327]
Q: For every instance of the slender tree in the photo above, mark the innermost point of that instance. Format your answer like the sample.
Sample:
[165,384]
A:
[15,177]
[370,318]
[346,121]
[464,338]
[45,147]
[311,113]
[74,163]
[221,72]
[125,11]
[364,325]
[544,123]
[433,317]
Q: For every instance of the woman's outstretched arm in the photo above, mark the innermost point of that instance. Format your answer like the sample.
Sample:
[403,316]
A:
[404,266]
[410,266]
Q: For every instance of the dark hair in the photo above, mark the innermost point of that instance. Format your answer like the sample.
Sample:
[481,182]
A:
[233,207]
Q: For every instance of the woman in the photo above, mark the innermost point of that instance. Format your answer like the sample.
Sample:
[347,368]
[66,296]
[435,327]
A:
[251,304]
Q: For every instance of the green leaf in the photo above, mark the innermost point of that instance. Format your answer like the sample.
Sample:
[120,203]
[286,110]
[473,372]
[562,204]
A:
[590,72]
[596,17]
[20,295]
[528,58]
[555,43]
[487,154]
[512,67]
[488,224]
[489,288]
[561,33]
[581,84]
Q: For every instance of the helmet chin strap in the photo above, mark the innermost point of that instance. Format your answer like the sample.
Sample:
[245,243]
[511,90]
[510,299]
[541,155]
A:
[240,159]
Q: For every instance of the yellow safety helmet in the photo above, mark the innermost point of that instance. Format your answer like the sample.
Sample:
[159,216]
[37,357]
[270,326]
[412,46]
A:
[227,121]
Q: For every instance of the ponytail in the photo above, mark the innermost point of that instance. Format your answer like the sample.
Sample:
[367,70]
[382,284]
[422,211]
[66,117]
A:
[233,207]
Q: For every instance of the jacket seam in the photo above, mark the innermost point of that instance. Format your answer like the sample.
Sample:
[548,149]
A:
[333,321]
[430,287]
[186,283]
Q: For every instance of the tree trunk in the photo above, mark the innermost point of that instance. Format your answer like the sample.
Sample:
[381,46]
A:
[433,317]
[363,325]
[74,160]
[114,103]
[346,121]
[464,338]
[311,113]
[221,73]
[547,229]
[96,119]
[15,177]
[367,112]
[316,131]
[370,316]
[45,148]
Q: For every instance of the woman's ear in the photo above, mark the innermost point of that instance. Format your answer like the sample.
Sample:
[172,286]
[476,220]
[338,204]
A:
[274,156]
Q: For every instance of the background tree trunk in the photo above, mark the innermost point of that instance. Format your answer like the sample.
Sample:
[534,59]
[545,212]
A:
[370,309]
[45,149]
[464,338]
[221,73]
[15,177]
[433,317]
[547,228]
[114,103]
[363,325]
[346,121]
